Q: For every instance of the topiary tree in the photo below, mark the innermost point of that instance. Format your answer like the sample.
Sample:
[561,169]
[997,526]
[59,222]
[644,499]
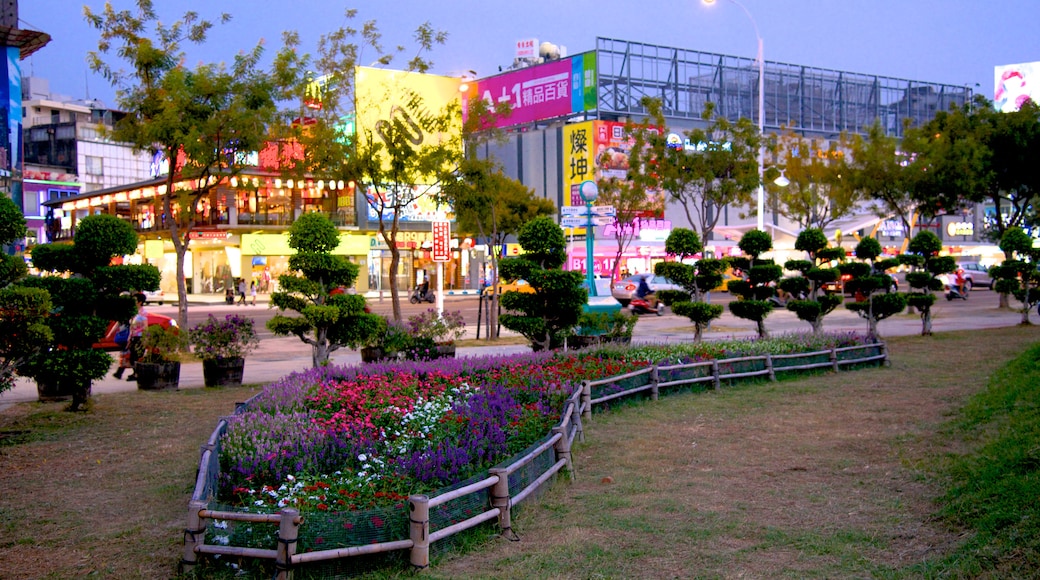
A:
[1018,274]
[697,279]
[87,294]
[23,311]
[808,302]
[868,280]
[329,317]
[925,265]
[545,316]
[754,292]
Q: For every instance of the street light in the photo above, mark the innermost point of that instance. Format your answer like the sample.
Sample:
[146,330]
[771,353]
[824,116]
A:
[761,114]
[589,192]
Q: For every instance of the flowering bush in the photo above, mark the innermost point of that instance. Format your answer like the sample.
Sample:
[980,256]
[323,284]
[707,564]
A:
[445,328]
[233,337]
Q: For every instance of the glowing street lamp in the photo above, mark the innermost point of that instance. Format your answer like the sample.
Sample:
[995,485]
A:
[761,114]
[589,192]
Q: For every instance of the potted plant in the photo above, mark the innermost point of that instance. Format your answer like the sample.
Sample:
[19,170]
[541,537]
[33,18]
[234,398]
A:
[387,341]
[159,366]
[223,345]
[435,334]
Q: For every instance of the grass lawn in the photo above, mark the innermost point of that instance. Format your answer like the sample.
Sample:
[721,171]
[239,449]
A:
[824,476]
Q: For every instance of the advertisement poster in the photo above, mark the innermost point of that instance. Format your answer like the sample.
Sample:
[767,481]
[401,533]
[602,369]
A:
[612,150]
[1015,85]
[578,165]
[546,91]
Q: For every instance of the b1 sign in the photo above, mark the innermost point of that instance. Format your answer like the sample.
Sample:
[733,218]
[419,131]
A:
[441,241]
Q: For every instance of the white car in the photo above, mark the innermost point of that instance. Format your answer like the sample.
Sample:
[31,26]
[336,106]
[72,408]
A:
[153,297]
[625,290]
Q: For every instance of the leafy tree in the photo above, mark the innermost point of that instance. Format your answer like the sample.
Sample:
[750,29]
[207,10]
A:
[203,119]
[976,154]
[871,285]
[23,311]
[85,297]
[397,163]
[819,192]
[925,265]
[329,318]
[723,170]
[491,205]
[1019,274]
[814,305]
[632,197]
[879,171]
[696,279]
[546,316]
[754,292]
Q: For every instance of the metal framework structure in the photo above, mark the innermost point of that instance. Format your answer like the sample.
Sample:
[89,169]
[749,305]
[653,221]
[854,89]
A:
[813,101]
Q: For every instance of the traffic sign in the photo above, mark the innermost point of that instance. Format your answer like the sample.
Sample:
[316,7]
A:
[441,241]
[602,220]
[582,210]
[604,210]
[583,221]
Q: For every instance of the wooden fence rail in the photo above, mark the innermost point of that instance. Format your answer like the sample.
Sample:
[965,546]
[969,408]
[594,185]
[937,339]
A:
[577,408]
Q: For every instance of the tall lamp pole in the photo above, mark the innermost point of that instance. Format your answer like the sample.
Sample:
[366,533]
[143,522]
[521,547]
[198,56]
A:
[761,115]
[589,192]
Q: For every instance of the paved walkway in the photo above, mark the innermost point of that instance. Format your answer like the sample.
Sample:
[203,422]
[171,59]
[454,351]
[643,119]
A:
[277,357]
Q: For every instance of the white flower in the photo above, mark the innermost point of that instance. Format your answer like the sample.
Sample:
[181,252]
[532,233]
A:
[290,478]
[259,503]
[362,457]
[220,524]
[222,540]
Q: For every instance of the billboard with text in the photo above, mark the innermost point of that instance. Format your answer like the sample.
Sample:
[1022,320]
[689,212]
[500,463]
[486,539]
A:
[1016,84]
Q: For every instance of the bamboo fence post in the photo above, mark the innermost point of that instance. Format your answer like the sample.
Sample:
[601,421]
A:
[194,535]
[769,367]
[586,401]
[500,499]
[834,359]
[715,374]
[288,529]
[419,530]
[654,380]
[576,419]
[563,449]
[884,354]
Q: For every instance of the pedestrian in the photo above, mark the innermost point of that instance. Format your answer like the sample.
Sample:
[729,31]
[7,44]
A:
[123,341]
[134,346]
[252,290]
[242,291]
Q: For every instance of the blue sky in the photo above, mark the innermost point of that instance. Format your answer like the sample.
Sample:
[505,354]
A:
[945,41]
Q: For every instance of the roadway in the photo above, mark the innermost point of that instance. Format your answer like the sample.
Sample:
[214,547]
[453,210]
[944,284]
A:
[278,356]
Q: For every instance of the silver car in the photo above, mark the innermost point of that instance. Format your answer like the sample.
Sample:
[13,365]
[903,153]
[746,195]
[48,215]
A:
[625,290]
[976,275]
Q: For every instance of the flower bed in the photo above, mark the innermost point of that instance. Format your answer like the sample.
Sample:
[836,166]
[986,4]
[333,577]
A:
[348,438]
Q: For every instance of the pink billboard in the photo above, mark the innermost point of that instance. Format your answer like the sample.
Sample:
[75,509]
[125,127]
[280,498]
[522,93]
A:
[554,89]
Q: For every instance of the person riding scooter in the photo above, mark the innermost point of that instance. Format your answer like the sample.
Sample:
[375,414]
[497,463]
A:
[645,300]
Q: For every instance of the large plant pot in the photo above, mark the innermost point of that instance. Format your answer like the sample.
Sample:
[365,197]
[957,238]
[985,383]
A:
[55,389]
[223,372]
[157,376]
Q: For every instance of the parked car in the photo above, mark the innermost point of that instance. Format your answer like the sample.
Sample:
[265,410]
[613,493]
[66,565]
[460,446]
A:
[153,297]
[625,290]
[838,286]
[108,342]
[514,286]
[976,275]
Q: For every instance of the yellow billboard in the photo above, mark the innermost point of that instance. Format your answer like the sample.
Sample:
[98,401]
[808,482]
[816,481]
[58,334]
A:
[408,106]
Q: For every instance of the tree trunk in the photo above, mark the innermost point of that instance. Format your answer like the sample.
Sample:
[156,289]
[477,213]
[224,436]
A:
[926,322]
[762,328]
[698,332]
[1004,303]
[1025,315]
[817,325]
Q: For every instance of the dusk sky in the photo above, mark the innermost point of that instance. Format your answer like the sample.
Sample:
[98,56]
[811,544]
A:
[944,41]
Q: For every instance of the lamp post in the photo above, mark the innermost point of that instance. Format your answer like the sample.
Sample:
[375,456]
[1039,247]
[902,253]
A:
[589,192]
[761,115]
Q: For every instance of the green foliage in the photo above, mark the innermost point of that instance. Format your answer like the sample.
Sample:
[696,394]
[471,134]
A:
[880,306]
[831,254]
[99,238]
[868,249]
[751,309]
[546,315]
[609,326]
[683,243]
[921,301]
[233,337]
[802,266]
[992,482]
[925,243]
[700,313]
[12,222]
[755,243]
[543,243]
[313,233]
[670,297]
[160,344]
[811,240]
[326,321]
[795,285]
[23,331]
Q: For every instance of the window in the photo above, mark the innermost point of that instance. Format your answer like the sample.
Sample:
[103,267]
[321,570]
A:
[94,165]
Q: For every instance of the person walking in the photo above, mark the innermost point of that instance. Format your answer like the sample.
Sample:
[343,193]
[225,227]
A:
[242,291]
[138,324]
[252,290]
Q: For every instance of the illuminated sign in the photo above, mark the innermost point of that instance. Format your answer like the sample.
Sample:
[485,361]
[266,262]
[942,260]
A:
[960,229]
[1014,85]
[404,104]
[441,241]
[578,164]
[546,91]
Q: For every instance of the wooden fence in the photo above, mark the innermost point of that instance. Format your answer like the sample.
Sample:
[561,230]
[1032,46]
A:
[578,408]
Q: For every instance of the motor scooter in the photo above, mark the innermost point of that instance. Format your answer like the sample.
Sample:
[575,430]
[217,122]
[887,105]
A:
[418,296]
[953,292]
[646,305]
